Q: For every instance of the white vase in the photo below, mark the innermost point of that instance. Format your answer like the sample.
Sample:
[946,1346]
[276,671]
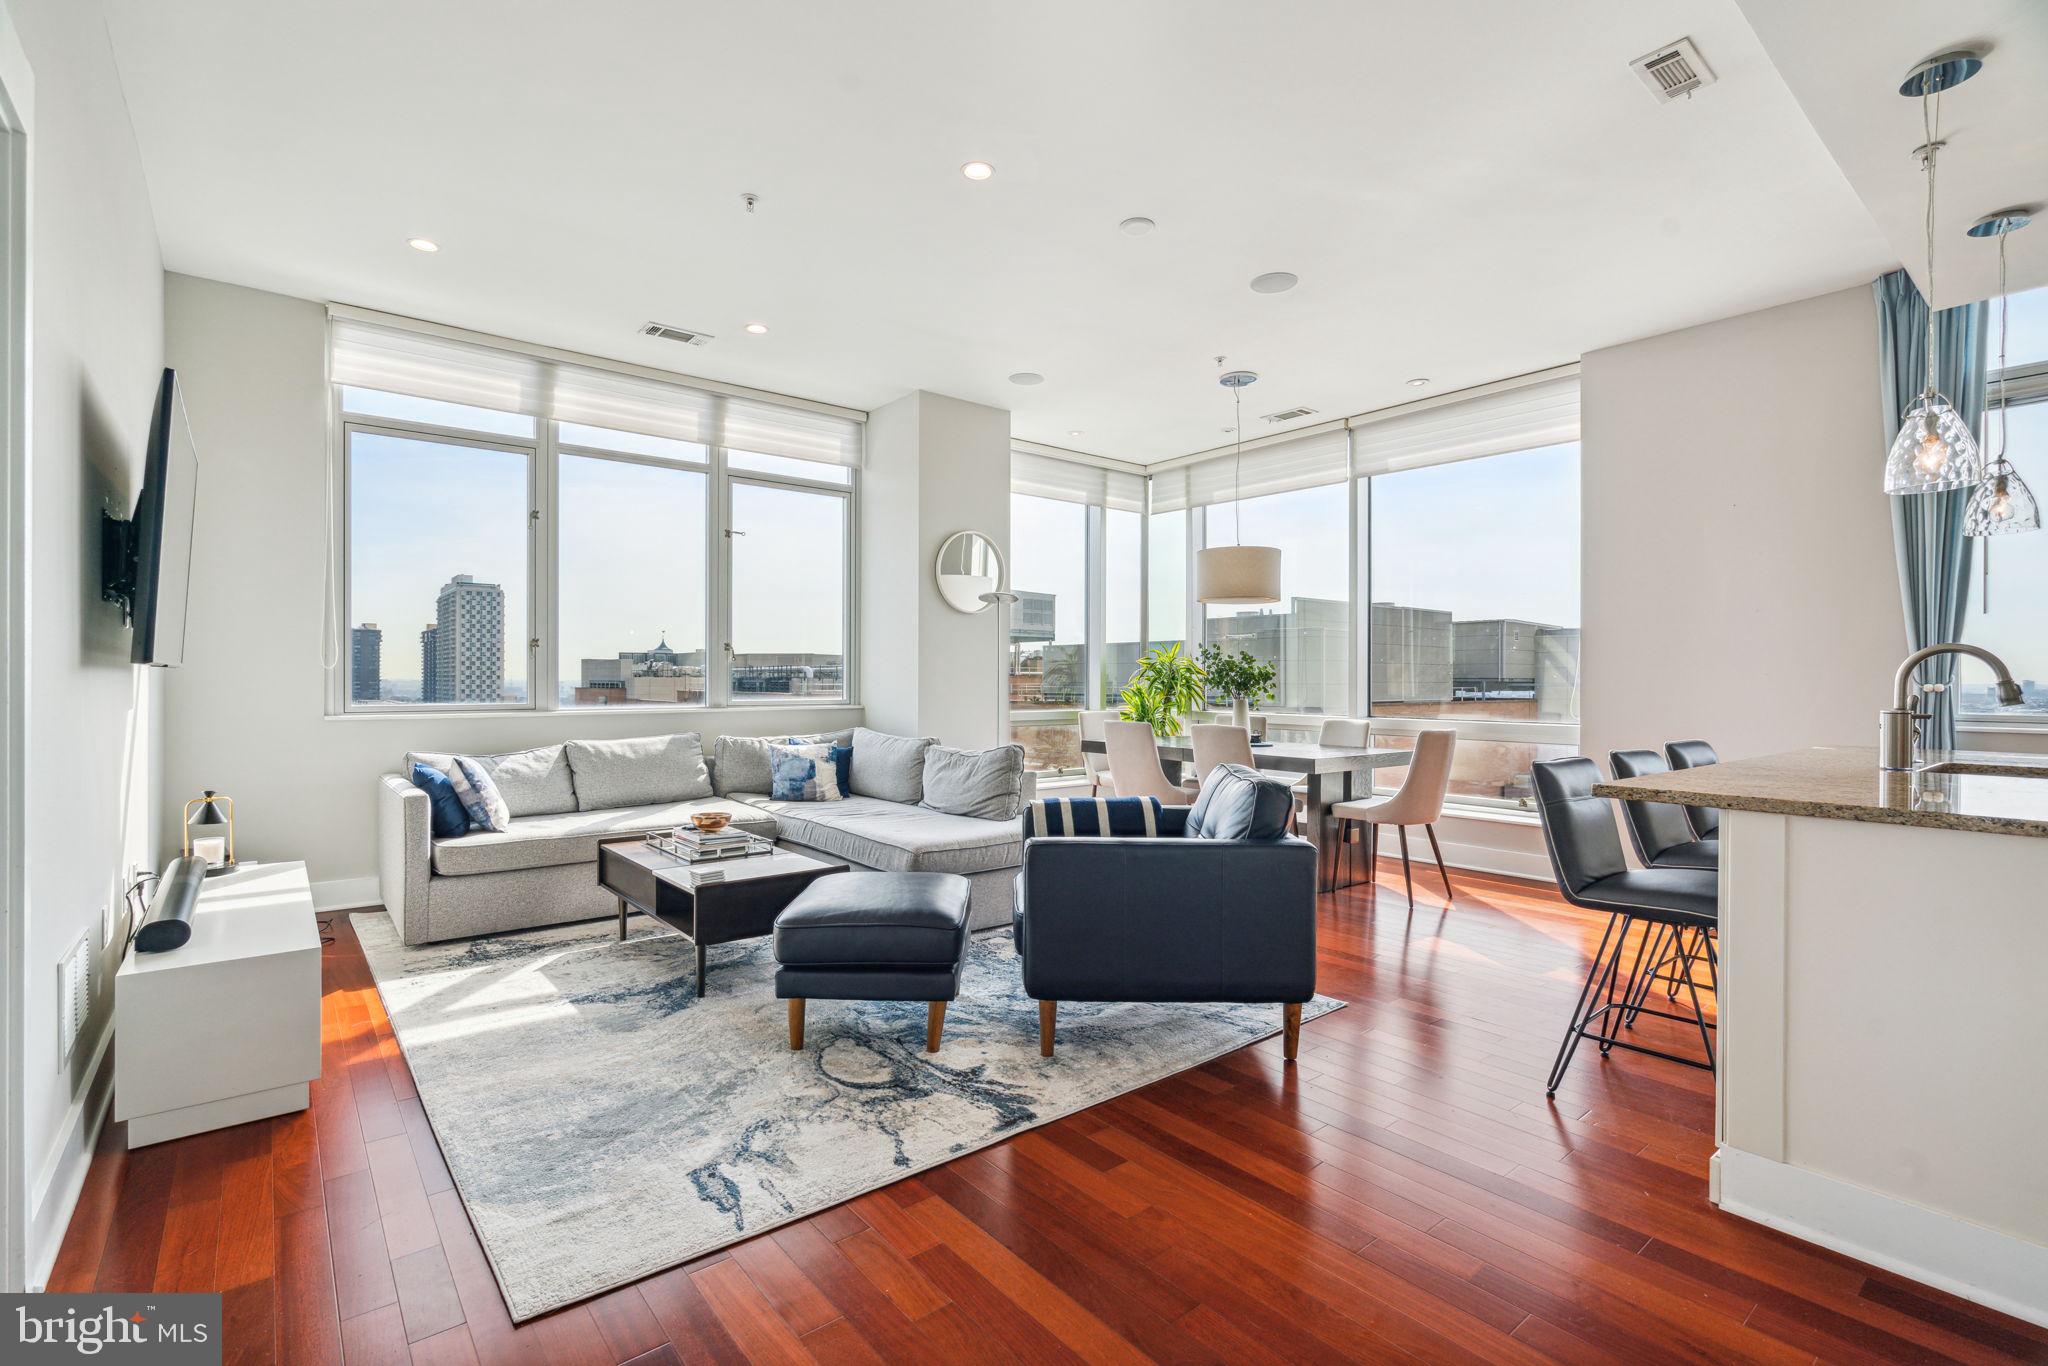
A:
[1241,713]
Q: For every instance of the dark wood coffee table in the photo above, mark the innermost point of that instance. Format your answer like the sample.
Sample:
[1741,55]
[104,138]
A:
[709,903]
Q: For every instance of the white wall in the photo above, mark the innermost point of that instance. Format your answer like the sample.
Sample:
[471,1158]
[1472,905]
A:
[96,347]
[246,715]
[1739,581]
[936,465]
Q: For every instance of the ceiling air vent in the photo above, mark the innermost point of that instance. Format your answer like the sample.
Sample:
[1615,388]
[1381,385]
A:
[675,334]
[1292,414]
[1673,70]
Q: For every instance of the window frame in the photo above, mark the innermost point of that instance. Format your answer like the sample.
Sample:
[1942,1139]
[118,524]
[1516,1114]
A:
[341,682]
[2025,385]
[550,519]
[725,482]
[543,568]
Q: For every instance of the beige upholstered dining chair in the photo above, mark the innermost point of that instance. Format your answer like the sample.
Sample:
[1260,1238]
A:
[1419,801]
[1355,732]
[1134,758]
[1100,775]
[1219,744]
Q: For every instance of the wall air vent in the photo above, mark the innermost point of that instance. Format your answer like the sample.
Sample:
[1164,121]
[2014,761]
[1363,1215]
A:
[1673,70]
[1291,415]
[675,334]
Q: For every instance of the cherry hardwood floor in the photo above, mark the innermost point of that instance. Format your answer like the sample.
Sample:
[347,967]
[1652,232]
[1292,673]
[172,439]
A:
[1405,1191]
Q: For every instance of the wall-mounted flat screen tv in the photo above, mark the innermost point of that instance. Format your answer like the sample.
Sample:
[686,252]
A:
[152,578]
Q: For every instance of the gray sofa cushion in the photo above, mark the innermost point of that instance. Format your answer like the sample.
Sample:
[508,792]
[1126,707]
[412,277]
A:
[896,838]
[571,837]
[740,762]
[888,767]
[988,783]
[533,782]
[651,768]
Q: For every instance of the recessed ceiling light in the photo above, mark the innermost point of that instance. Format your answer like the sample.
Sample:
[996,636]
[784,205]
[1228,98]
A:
[1027,377]
[1075,432]
[757,328]
[1136,227]
[426,244]
[977,170]
[1418,382]
[1275,282]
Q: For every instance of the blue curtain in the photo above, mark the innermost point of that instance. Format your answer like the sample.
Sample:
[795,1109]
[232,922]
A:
[1927,528]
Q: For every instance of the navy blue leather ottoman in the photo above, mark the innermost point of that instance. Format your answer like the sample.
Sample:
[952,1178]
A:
[873,937]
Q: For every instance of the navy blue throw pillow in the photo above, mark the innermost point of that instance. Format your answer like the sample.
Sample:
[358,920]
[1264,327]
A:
[449,818]
[1236,803]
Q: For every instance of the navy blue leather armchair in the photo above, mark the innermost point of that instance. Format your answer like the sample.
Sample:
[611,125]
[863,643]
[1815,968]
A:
[1171,918]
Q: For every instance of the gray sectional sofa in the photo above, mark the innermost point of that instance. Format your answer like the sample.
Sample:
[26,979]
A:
[565,798]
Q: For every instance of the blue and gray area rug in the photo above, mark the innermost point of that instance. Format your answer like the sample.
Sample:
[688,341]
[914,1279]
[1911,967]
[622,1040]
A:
[602,1122]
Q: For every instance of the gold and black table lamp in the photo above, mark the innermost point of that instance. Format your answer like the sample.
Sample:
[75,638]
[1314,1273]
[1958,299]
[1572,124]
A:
[218,852]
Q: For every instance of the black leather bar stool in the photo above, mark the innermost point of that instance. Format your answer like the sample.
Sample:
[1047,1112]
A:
[1662,835]
[1660,831]
[1706,821]
[1586,857]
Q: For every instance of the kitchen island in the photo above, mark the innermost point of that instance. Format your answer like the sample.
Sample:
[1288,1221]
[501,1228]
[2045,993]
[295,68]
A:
[1883,1018]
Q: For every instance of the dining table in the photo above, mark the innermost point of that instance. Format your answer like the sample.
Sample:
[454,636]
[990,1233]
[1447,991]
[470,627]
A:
[1332,773]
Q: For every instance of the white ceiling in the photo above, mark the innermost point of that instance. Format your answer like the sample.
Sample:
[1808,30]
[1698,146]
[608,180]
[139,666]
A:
[1844,60]
[1467,192]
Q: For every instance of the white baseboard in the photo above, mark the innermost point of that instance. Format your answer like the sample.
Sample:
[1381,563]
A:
[57,1187]
[346,894]
[1484,858]
[1989,1268]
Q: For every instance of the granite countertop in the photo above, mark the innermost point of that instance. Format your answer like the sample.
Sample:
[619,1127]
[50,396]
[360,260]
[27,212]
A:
[2005,794]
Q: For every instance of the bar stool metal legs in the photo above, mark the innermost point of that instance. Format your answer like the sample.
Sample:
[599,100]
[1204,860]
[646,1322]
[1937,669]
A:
[1607,1002]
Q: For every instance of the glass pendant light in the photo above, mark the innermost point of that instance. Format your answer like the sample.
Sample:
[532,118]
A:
[2003,505]
[1934,449]
[1237,574]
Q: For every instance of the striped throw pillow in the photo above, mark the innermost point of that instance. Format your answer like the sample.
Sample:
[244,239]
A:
[1131,817]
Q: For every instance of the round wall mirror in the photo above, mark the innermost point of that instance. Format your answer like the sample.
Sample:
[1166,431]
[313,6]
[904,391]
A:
[969,565]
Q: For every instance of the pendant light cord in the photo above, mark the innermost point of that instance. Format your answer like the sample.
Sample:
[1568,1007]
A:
[2004,312]
[1930,122]
[1237,465]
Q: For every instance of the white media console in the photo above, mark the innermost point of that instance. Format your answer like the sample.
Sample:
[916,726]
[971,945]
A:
[226,1028]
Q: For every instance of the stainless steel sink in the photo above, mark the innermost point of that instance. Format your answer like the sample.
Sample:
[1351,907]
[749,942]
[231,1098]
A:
[1990,770]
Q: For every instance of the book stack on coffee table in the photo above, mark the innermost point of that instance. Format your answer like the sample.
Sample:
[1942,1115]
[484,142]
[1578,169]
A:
[694,846]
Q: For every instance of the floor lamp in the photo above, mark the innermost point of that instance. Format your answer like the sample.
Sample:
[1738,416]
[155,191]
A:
[1000,599]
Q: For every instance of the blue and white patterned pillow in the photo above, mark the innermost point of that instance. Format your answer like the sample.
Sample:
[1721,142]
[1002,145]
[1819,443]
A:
[479,795]
[803,773]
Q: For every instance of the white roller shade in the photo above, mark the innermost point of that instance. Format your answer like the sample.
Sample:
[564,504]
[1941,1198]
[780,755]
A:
[1517,418]
[375,355]
[1301,462]
[1071,481]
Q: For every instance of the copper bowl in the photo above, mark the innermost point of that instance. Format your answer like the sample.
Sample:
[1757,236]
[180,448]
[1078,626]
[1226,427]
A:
[711,822]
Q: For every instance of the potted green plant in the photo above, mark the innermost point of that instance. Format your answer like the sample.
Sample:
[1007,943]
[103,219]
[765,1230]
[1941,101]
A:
[1163,689]
[1239,675]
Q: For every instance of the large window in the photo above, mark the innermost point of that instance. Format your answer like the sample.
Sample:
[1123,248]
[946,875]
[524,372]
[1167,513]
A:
[788,592]
[1429,564]
[632,576]
[1123,561]
[1306,635]
[438,544]
[1048,645]
[551,545]
[2008,612]
[1475,588]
